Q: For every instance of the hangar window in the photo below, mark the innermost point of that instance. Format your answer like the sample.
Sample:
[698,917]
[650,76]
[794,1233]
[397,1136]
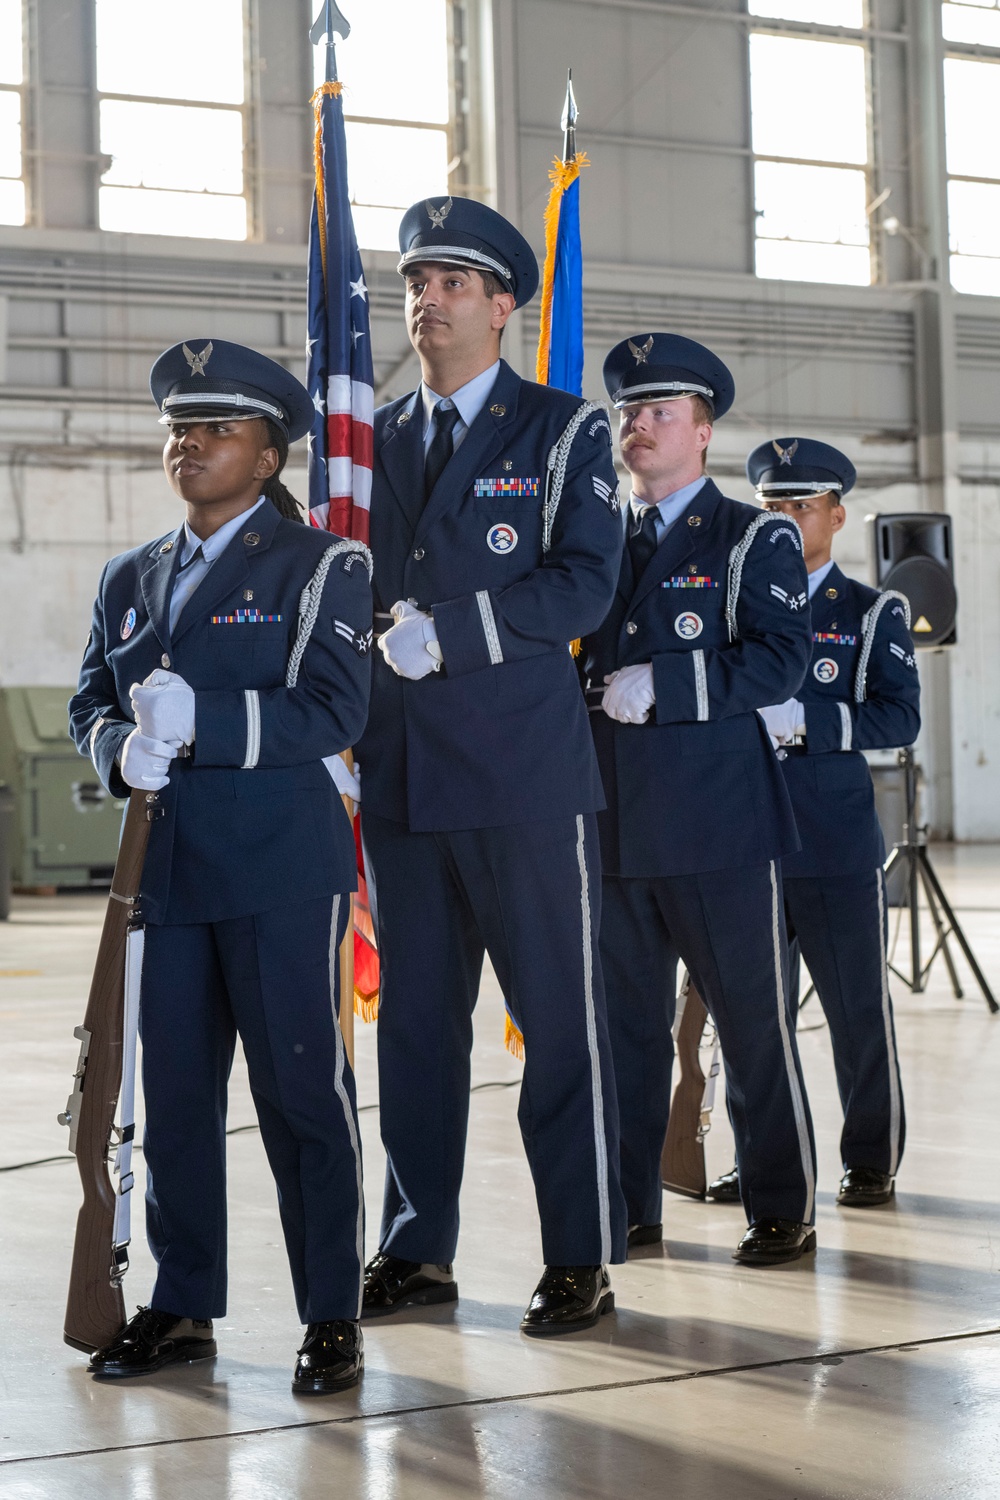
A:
[972,133]
[809,114]
[11,78]
[171,116]
[819,12]
[396,108]
[975,21]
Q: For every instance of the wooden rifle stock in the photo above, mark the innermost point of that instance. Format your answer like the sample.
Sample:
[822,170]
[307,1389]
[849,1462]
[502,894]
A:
[95,1309]
[682,1164]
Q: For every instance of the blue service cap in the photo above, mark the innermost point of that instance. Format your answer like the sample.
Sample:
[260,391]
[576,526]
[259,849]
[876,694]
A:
[799,466]
[203,378]
[462,232]
[667,367]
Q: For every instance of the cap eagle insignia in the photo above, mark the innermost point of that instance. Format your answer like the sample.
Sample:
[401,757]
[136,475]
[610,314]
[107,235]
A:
[437,216]
[197,361]
[785,455]
[641,352]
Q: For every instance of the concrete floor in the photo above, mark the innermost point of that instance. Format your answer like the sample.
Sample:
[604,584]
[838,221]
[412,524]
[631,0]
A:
[872,1371]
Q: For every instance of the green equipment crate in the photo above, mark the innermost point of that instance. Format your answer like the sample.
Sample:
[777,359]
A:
[66,826]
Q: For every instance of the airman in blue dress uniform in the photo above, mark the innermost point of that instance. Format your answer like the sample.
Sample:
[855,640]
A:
[861,692]
[709,619]
[227,660]
[496,537]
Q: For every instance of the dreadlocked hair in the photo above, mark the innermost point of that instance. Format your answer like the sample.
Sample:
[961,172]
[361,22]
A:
[273,489]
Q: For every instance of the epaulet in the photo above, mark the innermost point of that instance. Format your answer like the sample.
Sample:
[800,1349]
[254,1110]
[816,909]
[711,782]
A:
[309,601]
[869,625]
[738,557]
[558,459]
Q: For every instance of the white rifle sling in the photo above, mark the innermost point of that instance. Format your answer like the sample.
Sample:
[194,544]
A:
[310,599]
[556,465]
[122,1231]
[708,1097]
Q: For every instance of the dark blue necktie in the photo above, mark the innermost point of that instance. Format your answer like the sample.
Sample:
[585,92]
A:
[642,542]
[442,446]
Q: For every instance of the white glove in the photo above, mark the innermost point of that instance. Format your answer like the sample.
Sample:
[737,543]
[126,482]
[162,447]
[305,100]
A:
[347,785]
[629,694]
[145,762]
[411,645]
[784,720]
[164,708]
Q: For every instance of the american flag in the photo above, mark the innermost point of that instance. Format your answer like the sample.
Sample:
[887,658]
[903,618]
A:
[339,352]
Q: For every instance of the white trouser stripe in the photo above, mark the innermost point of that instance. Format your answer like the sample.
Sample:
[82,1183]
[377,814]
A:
[600,1140]
[253,729]
[846,728]
[489,627]
[895,1110]
[798,1103]
[341,1092]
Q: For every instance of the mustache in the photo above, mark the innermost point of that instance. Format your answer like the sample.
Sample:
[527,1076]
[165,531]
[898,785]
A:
[634,440]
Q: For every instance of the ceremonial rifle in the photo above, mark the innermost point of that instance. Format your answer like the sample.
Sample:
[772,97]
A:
[682,1164]
[95,1309]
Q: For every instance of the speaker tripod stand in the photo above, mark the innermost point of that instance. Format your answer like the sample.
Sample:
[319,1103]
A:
[911,852]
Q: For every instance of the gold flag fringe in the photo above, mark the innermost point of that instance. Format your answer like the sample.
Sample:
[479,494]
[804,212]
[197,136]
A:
[513,1040]
[334,90]
[561,176]
[366,1006]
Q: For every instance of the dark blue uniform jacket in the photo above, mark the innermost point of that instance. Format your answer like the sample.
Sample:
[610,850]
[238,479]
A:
[252,820]
[851,705]
[500,735]
[698,786]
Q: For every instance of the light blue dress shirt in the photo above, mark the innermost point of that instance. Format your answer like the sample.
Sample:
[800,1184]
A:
[669,509]
[468,399]
[815,579]
[189,577]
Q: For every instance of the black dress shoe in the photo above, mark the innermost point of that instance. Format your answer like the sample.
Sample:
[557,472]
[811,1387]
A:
[865,1187]
[331,1358]
[568,1299]
[391,1284]
[644,1234]
[151,1340]
[772,1242]
[725,1189]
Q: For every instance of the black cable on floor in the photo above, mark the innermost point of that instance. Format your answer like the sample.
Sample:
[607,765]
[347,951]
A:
[43,1161]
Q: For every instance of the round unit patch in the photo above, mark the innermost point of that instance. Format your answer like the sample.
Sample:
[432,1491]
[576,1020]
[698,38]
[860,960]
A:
[128,624]
[826,669]
[502,538]
[689,625]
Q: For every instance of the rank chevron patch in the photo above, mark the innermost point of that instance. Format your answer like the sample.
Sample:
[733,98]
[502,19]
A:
[360,640]
[794,601]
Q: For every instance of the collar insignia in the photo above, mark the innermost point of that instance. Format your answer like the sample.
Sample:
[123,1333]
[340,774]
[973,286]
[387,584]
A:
[198,361]
[641,353]
[437,216]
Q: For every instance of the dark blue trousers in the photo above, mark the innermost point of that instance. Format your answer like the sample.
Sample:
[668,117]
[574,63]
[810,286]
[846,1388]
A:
[840,924]
[272,978]
[728,928]
[528,895]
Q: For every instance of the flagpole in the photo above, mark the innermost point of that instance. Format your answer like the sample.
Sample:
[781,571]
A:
[334,23]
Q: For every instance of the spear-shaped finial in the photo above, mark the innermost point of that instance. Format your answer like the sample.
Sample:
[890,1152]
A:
[331,24]
[570,116]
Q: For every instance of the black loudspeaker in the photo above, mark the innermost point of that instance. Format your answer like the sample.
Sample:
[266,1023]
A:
[914,554]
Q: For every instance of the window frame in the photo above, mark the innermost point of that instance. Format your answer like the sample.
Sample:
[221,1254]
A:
[246,110]
[820,32]
[447,128]
[23,91]
[979,52]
